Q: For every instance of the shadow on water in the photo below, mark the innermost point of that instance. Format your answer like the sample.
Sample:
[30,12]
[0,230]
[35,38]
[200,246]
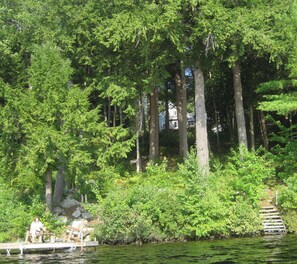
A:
[269,249]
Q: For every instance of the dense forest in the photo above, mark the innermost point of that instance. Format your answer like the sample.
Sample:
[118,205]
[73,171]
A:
[83,87]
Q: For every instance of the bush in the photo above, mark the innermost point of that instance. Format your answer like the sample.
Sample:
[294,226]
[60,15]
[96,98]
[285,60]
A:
[138,214]
[14,216]
[203,210]
[243,219]
[290,218]
[188,204]
[248,170]
[288,194]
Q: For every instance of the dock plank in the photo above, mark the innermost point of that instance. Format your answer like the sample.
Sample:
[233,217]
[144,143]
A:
[45,246]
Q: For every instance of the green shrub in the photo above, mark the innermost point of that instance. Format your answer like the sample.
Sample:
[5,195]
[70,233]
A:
[14,216]
[188,204]
[243,218]
[290,219]
[203,209]
[248,170]
[140,213]
[288,193]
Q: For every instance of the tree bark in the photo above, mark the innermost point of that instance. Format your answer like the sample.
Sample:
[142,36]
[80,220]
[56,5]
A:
[252,128]
[48,190]
[139,120]
[114,115]
[201,120]
[154,126]
[181,102]
[240,119]
[166,109]
[59,185]
[263,130]
[217,126]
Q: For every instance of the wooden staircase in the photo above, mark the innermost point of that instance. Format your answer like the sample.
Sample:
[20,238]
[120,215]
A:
[272,221]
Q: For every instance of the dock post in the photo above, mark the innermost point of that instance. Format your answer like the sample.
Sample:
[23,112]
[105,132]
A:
[8,252]
[81,240]
[21,249]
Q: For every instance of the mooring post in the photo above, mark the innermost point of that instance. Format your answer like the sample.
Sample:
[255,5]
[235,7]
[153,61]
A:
[81,240]
[21,249]
[8,252]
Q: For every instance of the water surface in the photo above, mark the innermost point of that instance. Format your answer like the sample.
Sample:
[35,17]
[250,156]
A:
[277,249]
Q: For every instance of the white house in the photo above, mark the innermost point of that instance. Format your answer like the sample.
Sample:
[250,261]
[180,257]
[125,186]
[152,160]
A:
[173,120]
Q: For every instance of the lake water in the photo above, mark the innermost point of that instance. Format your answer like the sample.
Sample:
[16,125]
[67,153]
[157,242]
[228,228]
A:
[277,249]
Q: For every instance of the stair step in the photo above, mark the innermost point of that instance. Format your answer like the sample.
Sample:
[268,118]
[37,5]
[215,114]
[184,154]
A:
[272,220]
[268,207]
[274,227]
[274,213]
[271,217]
[268,210]
[279,221]
[274,231]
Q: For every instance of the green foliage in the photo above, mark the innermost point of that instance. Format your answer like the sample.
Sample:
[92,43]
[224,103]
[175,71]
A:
[16,216]
[138,214]
[285,149]
[288,194]
[248,170]
[187,204]
[243,218]
[278,96]
[287,199]
[203,209]
[289,217]
[147,210]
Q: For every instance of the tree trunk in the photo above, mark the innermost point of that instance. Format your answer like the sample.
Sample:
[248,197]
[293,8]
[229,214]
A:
[201,120]
[139,120]
[154,126]
[114,115]
[48,190]
[181,102]
[252,129]
[217,126]
[109,112]
[121,116]
[263,130]
[240,119]
[59,185]
[166,109]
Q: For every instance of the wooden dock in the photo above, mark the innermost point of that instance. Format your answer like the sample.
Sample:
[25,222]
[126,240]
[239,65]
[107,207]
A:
[21,246]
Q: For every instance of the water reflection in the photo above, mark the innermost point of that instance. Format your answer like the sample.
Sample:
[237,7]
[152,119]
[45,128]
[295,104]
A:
[269,249]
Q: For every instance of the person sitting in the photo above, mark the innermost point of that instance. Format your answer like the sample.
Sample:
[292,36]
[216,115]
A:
[36,230]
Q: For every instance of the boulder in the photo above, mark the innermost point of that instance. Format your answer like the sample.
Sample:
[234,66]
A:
[76,213]
[86,215]
[62,219]
[58,211]
[67,203]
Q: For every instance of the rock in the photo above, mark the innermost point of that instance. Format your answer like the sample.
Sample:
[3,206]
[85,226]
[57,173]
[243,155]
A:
[58,210]
[86,215]
[79,223]
[62,219]
[87,238]
[67,203]
[81,209]
[76,213]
